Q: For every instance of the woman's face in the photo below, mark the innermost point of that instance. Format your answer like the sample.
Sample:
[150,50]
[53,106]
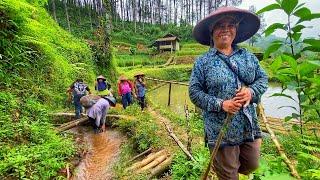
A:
[100,80]
[224,32]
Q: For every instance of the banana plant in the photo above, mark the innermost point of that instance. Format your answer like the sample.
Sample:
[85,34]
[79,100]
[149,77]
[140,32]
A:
[294,69]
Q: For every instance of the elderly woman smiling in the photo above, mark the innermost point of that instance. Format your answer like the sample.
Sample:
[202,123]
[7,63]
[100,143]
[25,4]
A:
[229,79]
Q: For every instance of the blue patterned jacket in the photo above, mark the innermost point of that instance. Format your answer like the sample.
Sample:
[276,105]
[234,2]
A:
[215,78]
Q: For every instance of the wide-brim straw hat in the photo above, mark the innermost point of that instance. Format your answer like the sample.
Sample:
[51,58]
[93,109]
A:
[248,24]
[123,78]
[101,77]
[138,74]
[111,100]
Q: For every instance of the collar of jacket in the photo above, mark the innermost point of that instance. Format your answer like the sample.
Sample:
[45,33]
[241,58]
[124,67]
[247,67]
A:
[213,51]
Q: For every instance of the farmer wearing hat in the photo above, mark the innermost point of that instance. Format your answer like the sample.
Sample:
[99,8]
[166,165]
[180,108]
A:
[140,89]
[97,113]
[102,86]
[125,89]
[77,90]
[229,80]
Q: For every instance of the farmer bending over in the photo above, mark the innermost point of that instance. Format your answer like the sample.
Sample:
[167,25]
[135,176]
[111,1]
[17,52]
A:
[215,83]
[98,112]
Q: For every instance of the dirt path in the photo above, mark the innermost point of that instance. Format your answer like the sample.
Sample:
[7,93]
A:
[104,150]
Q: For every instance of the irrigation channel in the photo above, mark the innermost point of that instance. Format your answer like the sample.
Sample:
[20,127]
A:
[103,152]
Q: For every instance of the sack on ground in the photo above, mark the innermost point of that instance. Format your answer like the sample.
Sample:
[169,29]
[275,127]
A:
[89,100]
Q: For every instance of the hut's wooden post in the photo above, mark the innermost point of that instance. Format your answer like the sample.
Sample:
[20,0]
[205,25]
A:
[169,97]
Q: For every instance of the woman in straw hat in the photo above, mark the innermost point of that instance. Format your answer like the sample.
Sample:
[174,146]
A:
[102,86]
[229,80]
[125,90]
[140,89]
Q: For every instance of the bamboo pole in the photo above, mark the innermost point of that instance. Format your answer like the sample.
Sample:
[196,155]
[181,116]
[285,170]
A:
[153,163]
[141,154]
[169,96]
[183,148]
[294,172]
[67,123]
[116,116]
[160,168]
[76,123]
[142,163]
[146,161]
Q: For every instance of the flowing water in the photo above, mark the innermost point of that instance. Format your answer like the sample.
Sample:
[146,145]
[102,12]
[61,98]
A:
[272,105]
[104,149]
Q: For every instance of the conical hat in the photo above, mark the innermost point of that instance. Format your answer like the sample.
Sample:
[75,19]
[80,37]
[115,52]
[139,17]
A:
[101,77]
[123,78]
[138,74]
[248,22]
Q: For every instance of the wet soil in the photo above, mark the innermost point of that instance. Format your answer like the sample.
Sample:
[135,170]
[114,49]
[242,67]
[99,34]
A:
[103,153]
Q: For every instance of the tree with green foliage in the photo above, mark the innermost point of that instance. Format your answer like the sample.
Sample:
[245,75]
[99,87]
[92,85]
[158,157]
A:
[39,60]
[297,71]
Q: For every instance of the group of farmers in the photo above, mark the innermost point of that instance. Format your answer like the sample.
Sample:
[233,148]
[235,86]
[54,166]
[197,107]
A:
[97,105]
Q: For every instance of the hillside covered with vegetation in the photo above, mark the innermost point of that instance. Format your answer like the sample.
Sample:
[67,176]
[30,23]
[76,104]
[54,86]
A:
[39,60]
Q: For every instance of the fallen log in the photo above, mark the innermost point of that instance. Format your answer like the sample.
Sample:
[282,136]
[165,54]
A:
[67,114]
[77,122]
[73,124]
[160,168]
[294,172]
[176,139]
[141,154]
[115,116]
[68,123]
[152,164]
[146,161]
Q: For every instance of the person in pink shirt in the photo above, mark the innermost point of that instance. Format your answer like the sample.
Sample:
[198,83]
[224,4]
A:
[125,88]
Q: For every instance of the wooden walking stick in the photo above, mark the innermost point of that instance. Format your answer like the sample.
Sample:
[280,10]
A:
[224,129]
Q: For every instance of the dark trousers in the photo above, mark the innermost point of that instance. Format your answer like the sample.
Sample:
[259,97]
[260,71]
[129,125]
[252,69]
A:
[77,105]
[231,160]
[93,124]
[126,100]
[142,102]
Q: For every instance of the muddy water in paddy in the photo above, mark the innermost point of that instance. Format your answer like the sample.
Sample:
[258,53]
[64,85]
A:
[104,150]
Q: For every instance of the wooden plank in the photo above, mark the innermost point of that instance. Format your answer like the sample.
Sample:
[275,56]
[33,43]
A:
[169,97]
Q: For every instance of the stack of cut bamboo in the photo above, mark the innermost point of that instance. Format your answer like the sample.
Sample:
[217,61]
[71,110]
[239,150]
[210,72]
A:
[154,164]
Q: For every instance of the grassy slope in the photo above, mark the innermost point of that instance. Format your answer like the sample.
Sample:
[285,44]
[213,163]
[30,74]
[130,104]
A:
[39,62]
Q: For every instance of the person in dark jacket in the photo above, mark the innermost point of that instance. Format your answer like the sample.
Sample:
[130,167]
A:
[229,80]
[140,89]
[77,90]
